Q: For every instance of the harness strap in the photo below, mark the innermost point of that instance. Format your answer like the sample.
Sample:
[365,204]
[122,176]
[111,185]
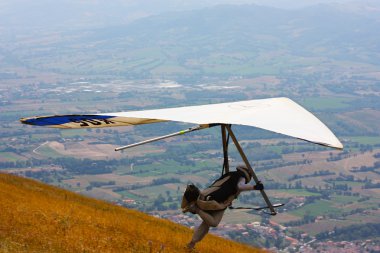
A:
[214,187]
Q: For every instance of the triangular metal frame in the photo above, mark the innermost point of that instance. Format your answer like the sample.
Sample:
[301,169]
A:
[254,176]
[226,129]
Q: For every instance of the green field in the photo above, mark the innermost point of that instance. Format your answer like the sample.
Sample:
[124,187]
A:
[349,183]
[343,200]
[325,103]
[10,157]
[153,191]
[298,192]
[320,207]
[48,152]
[365,140]
[127,194]
[170,166]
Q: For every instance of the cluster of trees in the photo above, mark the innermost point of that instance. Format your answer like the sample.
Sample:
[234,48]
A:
[256,239]
[301,149]
[84,166]
[363,168]
[338,156]
[273,165]
[43,175]
[370,185]
[260,153]
[342,177]
[77,166]
[315,174]
[340,187]
[162,204]
[345,128]
[351,233]
[342,215]
[160,181]
[307,218]
[99,184]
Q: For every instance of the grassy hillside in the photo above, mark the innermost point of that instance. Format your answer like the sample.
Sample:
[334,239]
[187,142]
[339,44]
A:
[35,217]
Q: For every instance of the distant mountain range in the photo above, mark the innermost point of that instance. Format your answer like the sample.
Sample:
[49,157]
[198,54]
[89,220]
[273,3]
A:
[242,40]
[252,27]
[24,14]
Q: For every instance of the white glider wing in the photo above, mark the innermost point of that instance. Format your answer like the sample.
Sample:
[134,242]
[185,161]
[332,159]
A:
[279,115]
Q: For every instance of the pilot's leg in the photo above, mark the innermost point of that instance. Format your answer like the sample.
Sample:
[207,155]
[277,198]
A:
[210,219]
[198,235]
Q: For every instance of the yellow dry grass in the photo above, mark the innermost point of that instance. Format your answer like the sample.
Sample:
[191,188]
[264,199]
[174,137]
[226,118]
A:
[35,217]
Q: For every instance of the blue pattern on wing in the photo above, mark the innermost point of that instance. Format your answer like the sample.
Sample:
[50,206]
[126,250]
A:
[83,120]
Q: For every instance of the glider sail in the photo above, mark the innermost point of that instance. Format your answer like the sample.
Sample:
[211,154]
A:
[279,115]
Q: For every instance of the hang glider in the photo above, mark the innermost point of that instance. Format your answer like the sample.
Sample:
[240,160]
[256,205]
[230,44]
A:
[279,115]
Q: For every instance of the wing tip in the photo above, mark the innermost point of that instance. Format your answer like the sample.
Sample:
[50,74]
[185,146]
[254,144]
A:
[337,146]
[27,121]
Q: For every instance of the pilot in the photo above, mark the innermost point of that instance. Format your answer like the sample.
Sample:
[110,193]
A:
[211,203]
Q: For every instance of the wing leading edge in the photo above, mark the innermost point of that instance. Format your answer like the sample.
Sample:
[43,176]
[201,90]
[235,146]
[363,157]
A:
[280,115]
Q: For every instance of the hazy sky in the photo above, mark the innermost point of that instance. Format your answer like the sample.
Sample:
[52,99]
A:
[22,14]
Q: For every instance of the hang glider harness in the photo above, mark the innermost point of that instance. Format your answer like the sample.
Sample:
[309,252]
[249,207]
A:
[227,133]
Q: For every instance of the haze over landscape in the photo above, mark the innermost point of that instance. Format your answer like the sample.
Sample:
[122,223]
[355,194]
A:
[59,57]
